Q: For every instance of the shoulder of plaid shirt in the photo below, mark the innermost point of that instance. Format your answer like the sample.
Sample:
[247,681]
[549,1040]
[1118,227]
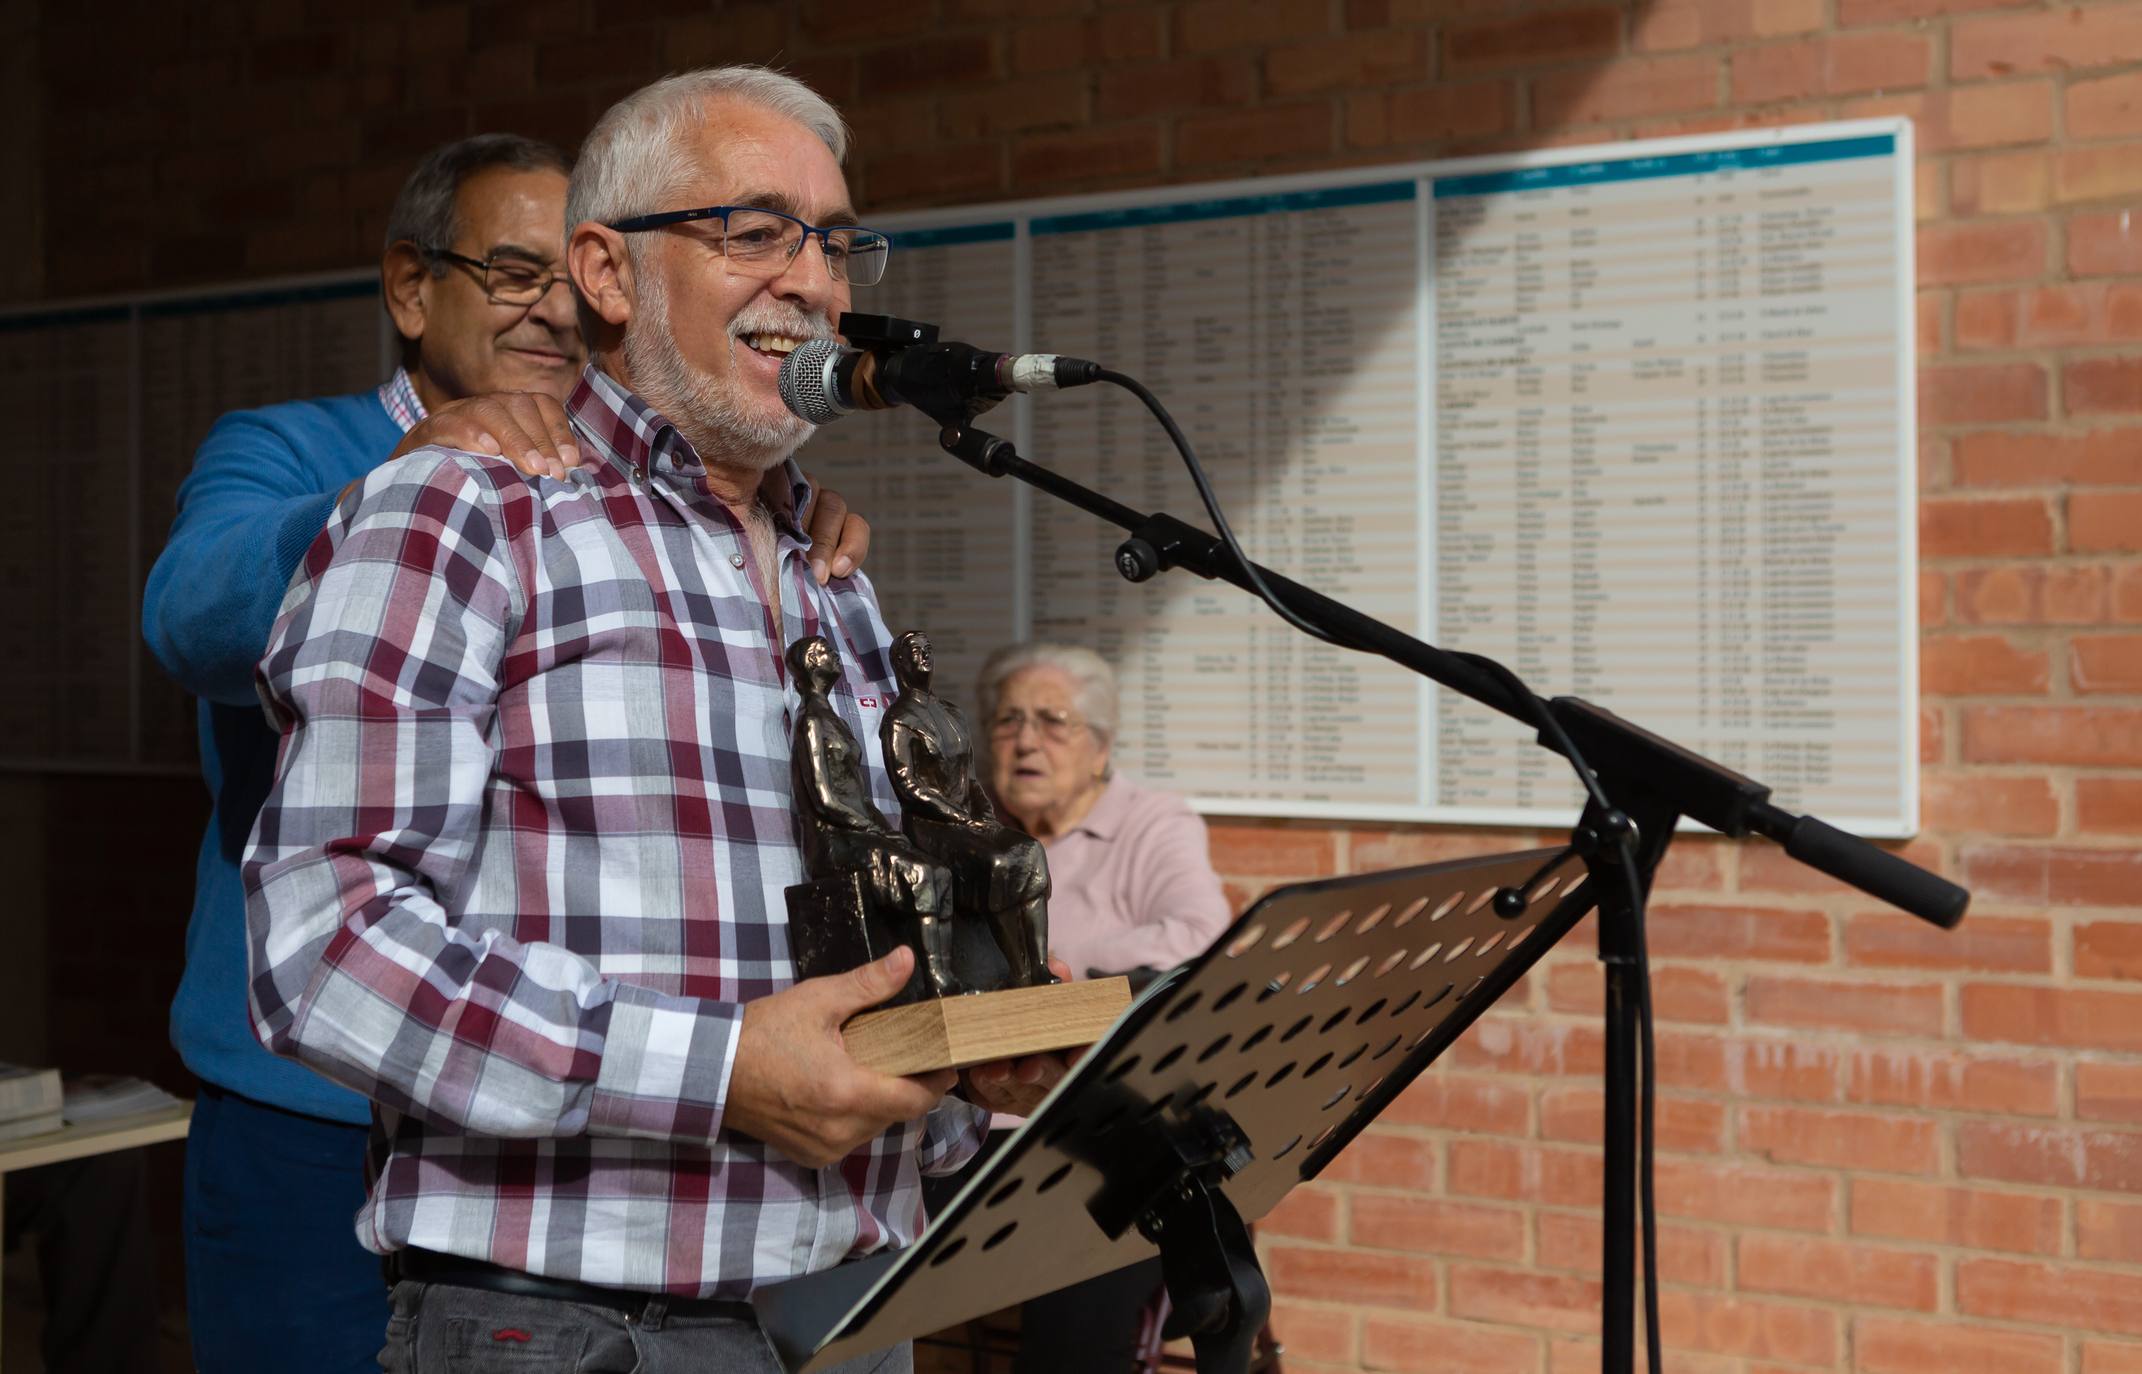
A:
[522,863]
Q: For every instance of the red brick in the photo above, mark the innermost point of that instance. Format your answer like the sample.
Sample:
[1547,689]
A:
[2050,1295]
[1873,1008]
[1309,1212]
[2067,876]
[2105,245]
[1267,131]
[2051,316]
[1686,1124]
[1352,1277]
[2050,1156]
[2108,1230]
[2108,806]
[2127,594]
[2097,171]
[1515,1045]
[2070,38]
[1057,100]
[1787,1070]
[2108,949]
[1893,1345]
[1431,1226]
[1430,114]
[948,172]
[1738,1326]
[932,64]
[1464,1102]
[1630,87]
[1973,1218]
[1854,13]
[1410,1344]
[2103,1357]
[1386,1161]
[1213,24]
[2108,1092]
[1129,150]
[1738,932]
[2106,663]
[1518,1297]
[1984,319]
[2108,107]
[1933,599]
[1942,1080]
[1981,251]
[1840,1140]
[1986,944]
[2103,386]
[2093,457]
[1492,1168]
[1314,1333]
[2089,736]
[1675,24]
[1742,1194]
[2123,311]
[1272,848]
[1981,665]
[1803,1267]
[1844,64]
[1954,803]
[1348,63]
[1981,394]
[1532,40]
[2009,183]
[1687,1254]
[1080,44]
[2070,1018]
[1199,83]
[2008,113]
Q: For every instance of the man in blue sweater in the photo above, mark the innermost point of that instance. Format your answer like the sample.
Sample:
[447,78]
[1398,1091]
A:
[275,1165]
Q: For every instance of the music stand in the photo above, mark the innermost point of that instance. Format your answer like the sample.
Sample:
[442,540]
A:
[1226,1083]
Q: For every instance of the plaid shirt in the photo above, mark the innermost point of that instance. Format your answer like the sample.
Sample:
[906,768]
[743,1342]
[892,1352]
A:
[404,406]
[524,859]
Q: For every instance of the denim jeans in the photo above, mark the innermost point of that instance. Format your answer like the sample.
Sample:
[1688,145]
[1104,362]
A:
[440,1328]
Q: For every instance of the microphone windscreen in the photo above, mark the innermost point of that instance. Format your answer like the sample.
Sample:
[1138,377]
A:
[808,386]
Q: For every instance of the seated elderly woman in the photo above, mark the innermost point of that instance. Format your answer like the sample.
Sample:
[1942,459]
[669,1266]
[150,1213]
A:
[1132,876]
[1133,887]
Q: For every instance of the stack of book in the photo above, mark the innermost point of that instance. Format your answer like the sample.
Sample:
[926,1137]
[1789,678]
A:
[30,1101]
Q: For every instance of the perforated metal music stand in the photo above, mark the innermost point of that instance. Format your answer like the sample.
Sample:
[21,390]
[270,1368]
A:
[1224,1085]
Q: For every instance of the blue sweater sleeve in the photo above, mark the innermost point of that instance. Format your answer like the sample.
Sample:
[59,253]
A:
[246,514]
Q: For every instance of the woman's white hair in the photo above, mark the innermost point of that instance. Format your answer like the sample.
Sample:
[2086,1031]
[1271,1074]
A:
[1093,682]
[634,158]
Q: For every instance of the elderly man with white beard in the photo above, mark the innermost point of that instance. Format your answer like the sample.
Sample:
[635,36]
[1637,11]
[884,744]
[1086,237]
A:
[520,877]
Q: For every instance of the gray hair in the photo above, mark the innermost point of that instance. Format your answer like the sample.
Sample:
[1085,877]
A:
[1093,682]
[428,210]
[633,157]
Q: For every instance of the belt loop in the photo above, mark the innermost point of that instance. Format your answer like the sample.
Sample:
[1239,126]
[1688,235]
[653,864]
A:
[652,1314]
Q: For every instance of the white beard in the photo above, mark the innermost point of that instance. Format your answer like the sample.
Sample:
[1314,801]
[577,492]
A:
[711,412]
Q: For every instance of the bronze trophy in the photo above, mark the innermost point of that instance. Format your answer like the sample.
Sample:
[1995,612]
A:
[968,893]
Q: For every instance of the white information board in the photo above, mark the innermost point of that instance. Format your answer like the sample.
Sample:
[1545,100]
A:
[1636,420]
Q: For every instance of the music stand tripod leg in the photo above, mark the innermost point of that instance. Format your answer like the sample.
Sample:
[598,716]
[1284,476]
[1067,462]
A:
[1219,1296]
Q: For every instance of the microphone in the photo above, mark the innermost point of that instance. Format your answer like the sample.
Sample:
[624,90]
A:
[825,379]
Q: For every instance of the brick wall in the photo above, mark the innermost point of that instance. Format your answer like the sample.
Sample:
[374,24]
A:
[1883,1149]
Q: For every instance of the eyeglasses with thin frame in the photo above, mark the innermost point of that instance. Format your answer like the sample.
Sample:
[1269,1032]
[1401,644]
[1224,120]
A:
[1054,726]
[762,243]
[506,280]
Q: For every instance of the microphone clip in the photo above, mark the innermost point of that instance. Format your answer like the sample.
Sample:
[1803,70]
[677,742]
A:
[883,334]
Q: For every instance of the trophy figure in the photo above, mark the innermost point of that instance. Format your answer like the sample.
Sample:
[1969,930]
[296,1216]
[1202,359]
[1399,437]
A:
[966,892]
[870,888]
[1000,876]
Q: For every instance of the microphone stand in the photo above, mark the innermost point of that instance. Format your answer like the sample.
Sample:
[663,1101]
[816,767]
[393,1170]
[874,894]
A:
[1648,782]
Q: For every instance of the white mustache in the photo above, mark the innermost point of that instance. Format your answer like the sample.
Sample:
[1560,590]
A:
[790,326]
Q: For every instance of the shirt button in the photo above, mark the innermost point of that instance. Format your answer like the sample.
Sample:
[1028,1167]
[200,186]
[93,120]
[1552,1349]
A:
[736,560]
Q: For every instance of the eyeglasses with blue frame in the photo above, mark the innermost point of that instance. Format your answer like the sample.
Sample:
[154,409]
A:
[762,243]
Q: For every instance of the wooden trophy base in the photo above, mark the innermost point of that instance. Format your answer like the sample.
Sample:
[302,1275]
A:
[954,1032]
